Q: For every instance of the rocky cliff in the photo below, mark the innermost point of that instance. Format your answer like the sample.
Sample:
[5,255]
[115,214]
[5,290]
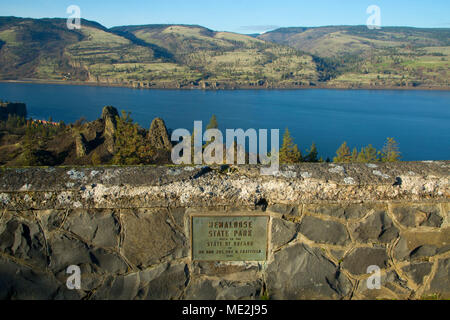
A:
[10,108]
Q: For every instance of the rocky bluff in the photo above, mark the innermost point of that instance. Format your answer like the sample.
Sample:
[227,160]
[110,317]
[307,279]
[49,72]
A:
[81,143]
[10,108]
[129,230]
[98,137]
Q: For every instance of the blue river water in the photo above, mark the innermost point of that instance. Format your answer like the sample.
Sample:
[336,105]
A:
[418,120]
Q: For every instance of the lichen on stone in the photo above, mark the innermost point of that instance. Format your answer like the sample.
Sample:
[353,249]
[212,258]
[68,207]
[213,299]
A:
[65,198]
[76,175]
[306,175]
[4,198]
[337,169]
[349,180]
[380,174]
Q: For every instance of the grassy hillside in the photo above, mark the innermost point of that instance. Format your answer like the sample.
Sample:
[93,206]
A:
[170,56]
[227,57]
[30,48]
[177,56]
[357,56]
[46,49]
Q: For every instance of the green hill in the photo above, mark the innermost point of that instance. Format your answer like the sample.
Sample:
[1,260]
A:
[391,56]
[341,40]
[224,57]
[191,56]
[46,49]
[167,56]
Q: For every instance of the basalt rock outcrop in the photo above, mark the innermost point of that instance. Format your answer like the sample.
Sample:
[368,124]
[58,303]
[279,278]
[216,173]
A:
[158,136]
[10,108]
[159,140]
[81,145]
[109,115]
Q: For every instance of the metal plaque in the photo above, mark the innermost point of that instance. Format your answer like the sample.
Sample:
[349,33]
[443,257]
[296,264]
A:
[229,238]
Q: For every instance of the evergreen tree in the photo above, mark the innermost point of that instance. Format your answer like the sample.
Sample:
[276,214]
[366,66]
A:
[289,152]
[390,152]
[212,123]
[131,146]
[354,157]
[34,145]
[29,147]
[312,154]
[361,156]
[371,154]
[342,154]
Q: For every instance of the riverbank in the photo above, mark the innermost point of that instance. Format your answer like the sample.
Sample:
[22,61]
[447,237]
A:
[228,86]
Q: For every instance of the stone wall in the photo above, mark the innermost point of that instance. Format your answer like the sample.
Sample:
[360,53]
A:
[128,229]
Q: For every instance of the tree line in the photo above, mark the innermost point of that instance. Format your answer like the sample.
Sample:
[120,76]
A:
[291,154]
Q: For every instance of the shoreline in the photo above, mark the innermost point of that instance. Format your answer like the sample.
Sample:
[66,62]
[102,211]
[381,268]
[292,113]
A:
[226,87]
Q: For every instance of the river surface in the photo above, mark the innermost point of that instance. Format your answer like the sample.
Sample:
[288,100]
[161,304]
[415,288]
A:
[418,120]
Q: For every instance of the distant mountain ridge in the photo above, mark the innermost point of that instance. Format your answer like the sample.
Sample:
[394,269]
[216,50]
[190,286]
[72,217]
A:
[310,38]
[192,56]
[352,56]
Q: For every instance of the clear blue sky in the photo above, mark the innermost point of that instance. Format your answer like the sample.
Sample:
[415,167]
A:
[244,16]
